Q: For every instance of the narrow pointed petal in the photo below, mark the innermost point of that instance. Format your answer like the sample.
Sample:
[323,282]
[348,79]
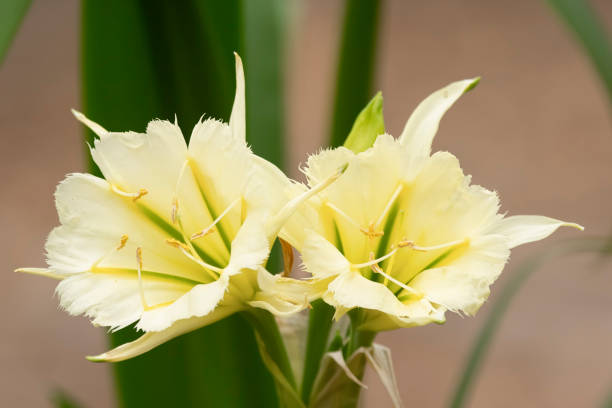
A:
[421,127]
[237,120]
[521,229]
[149,341]
[42,272]
[93,126]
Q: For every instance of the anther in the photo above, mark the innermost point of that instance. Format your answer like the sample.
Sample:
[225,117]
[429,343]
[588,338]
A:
[174,211]
[122,242]
[412,245]
[134,196]
[210,229]
[371,232]
[177,244]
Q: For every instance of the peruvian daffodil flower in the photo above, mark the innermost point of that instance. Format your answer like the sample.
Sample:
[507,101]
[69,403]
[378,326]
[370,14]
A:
[175,236]
[403,235]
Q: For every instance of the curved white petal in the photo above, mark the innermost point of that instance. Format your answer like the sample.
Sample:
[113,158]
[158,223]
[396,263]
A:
[464,284]
[201,300]
[93,126]
[237,120]
[114,300]
[151,340]
[137,162]
[351,290]
[94,220]
[221,166]
[321,258]
[250,247]
[521,229]
[422,125]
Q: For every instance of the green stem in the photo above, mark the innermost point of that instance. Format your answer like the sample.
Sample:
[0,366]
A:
[358,338]
[266,328]
[319,325]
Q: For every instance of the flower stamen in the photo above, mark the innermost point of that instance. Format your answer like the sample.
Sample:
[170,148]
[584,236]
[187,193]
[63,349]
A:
[343,215]
[394,196]
[140,285]
[186,250]
[122,242]
[134,196]
[412,245]
[210,229]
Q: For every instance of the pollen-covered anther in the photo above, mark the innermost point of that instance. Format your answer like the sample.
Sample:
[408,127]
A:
[174,210]
[202,233]
[371,231]
[122,242]
[134,196]
[210,228]
[177,244]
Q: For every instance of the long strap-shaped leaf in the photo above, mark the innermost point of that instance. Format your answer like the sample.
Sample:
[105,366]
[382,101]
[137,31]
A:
[11,14]
[148,59]
[357,60]
[520,275]
[590,31]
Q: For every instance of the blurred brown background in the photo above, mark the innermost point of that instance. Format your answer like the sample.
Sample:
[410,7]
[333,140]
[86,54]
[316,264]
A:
[537,129]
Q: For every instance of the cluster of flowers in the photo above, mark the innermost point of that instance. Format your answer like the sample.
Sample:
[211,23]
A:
[176,236]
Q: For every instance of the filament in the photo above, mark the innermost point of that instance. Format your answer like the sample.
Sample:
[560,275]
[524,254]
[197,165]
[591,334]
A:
[209,229]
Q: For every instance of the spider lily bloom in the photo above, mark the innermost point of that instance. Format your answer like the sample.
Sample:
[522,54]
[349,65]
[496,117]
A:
[403,235]
[174,237]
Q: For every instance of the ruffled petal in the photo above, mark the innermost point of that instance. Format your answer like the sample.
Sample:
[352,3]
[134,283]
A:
[114,299]
[201,300]
[464,284]
[144,164]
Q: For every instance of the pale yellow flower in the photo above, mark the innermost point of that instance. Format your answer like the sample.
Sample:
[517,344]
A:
[176,236]
[402,234]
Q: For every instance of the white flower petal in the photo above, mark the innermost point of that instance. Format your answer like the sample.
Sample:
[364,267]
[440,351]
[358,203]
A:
[351,290]
[134,161]
[321,258]
[201,300]
[521,229]
[114,300]
[93,126]
[94,219]
[222,166]
[422,125]
[464,284]
[237,120]
[151,340]
[250,247]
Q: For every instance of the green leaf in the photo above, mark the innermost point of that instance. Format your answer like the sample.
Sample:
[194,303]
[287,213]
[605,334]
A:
[320,319]
[590,31]
[154,59]
[356,64]
[263,46]
[504,298]
[367,127]
[11,14]
[61,399]
[274,355]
